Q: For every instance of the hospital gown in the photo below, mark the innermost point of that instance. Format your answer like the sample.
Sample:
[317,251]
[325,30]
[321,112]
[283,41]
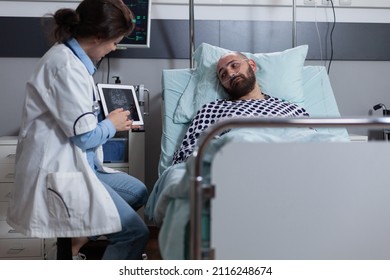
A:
[223,109]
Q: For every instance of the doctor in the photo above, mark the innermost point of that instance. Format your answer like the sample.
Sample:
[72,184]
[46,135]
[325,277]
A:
[61,188]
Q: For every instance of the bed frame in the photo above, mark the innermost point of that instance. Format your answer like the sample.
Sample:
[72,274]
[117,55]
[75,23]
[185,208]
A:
[330,204]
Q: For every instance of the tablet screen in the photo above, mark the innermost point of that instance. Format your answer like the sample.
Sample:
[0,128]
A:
[115,96]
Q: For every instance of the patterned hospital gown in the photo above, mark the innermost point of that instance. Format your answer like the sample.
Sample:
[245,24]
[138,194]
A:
[222,109]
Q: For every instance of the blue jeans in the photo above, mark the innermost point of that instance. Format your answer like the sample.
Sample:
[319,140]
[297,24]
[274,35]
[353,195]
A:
[128,194]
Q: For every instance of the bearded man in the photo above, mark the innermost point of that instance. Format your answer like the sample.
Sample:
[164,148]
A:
[236,74]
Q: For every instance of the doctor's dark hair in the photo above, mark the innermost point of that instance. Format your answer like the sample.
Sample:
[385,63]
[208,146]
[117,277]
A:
[104,19]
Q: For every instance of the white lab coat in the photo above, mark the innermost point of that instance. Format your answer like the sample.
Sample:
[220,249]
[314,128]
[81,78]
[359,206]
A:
[56,193]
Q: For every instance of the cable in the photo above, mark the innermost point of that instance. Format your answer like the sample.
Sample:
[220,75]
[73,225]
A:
[318,31]
[98,63]
[108,69]
[331,36]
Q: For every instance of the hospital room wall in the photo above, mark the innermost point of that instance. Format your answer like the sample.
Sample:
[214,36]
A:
[358,83]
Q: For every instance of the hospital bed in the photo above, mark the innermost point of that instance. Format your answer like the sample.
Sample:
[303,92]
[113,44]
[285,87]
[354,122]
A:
[274,192]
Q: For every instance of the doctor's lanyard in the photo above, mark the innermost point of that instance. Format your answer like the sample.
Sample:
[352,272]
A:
[96,108]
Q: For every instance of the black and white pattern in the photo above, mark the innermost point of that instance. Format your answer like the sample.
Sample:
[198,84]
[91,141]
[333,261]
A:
[222,109]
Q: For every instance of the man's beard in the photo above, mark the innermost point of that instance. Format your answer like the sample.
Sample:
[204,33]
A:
[243,87]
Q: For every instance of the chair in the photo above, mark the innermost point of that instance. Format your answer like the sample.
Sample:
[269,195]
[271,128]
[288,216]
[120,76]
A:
[64,248]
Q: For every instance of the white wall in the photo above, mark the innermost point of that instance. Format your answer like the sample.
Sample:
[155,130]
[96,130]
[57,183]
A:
[358,85]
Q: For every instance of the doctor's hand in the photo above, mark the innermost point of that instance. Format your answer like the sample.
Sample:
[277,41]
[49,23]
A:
[120,120]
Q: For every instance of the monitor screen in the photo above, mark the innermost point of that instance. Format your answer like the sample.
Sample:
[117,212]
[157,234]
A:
[140,37]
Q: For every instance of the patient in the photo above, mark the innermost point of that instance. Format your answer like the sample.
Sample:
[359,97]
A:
[236,74]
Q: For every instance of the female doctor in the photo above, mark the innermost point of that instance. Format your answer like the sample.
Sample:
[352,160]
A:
[57,193]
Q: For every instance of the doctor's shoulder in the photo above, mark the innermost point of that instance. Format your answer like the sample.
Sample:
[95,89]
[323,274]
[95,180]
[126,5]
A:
[57,59]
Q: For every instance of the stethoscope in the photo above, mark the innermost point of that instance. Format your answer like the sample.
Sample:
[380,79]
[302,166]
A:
[96,103]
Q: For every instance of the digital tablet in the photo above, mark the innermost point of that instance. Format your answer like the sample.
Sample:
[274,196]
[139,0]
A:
[113,96]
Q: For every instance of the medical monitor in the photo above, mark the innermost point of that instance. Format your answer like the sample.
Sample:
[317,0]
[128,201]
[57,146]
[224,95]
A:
[113,96]
[140,37]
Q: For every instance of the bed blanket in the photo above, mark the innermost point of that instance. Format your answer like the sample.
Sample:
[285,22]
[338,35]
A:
[168,204]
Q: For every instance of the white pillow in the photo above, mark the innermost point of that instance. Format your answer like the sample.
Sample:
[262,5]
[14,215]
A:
[279,75]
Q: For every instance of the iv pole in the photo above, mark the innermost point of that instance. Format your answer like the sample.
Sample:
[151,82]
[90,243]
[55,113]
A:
[192,28]
[192,33]
[195,226]
[294,24]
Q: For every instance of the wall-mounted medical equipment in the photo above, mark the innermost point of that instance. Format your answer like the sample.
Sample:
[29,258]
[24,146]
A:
[143,93]
[140,37]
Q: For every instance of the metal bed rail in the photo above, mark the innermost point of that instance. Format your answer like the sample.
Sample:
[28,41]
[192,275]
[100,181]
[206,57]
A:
[197,191]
